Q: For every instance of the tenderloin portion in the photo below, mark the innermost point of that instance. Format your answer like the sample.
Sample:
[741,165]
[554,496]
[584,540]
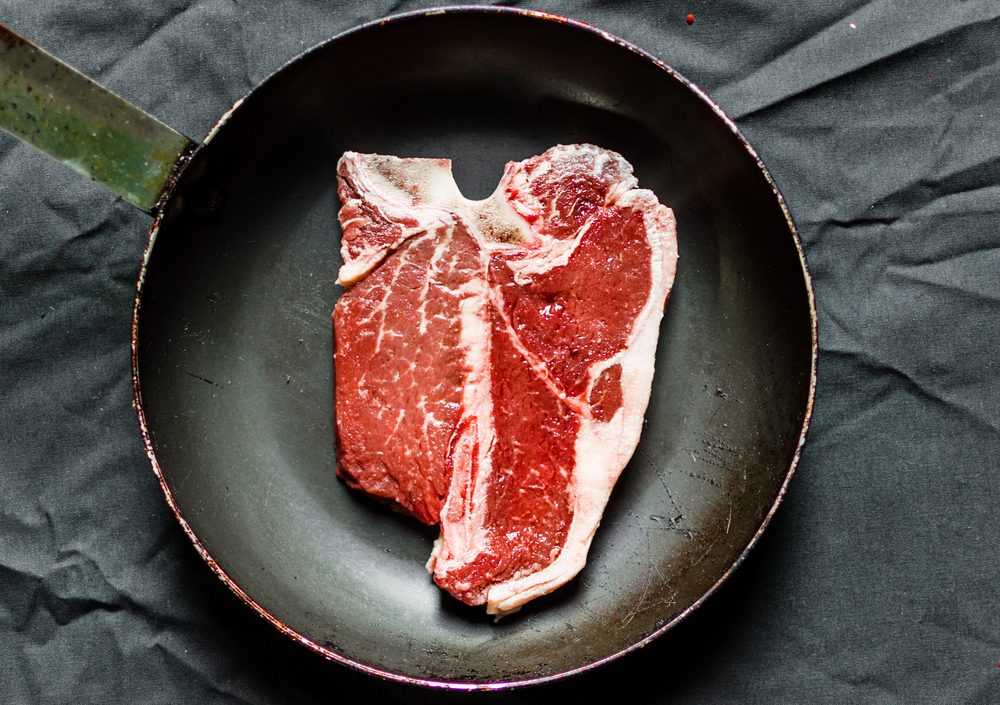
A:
[494,358]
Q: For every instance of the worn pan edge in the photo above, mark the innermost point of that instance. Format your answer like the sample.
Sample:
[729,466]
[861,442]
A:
[369,668]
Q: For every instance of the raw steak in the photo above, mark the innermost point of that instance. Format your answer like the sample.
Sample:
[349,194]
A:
[494,358]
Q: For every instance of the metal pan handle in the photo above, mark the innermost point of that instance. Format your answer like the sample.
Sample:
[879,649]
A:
[54,107]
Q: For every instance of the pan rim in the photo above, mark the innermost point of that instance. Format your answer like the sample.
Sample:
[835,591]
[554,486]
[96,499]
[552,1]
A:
[369,668]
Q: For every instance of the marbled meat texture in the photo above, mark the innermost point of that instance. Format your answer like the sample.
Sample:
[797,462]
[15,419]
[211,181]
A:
[494,358]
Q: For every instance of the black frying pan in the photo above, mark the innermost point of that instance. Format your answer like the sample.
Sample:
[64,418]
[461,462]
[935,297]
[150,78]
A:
[232,338]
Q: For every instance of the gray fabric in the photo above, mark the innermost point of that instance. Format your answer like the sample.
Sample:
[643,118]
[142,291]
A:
[877,582]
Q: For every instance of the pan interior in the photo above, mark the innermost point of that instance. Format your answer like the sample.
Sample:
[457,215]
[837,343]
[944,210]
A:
[235,342]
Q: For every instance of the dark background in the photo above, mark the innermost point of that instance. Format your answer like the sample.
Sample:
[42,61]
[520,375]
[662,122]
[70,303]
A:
[877,581]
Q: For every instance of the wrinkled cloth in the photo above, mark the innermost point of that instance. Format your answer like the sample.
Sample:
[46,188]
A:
[879,580]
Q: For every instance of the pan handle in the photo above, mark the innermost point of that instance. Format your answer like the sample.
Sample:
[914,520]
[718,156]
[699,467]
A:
[54,107]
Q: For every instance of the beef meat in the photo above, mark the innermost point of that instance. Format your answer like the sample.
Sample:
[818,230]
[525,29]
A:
[494,358]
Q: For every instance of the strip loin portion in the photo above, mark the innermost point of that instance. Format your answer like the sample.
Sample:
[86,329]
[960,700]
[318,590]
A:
[494,358]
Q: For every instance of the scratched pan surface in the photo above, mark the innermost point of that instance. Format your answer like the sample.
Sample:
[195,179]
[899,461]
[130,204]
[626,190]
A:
[234,344]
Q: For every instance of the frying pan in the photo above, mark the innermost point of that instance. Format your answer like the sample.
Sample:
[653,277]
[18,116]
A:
[232,340]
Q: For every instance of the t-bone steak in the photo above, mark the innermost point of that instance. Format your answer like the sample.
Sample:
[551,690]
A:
[494,358]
